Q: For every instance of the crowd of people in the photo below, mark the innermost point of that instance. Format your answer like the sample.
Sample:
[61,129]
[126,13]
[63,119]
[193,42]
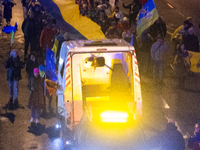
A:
[40,31]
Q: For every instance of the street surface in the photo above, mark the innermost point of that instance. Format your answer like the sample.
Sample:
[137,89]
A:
[159,103]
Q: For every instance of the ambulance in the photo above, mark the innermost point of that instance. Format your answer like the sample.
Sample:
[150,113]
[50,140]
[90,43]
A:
[99,94]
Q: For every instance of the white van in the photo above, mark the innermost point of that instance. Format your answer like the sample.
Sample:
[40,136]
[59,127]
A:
[99,83]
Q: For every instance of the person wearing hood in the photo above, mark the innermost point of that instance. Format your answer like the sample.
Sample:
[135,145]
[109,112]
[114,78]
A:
[169,139]
[14,66]
[191,41]
[194,141]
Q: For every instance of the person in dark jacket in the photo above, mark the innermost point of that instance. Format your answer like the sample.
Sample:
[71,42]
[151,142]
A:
[158,28]
[36,99]
[25,7]
[169,139]
[182,65]
[191,41]
[29,29]
[14,66]
[31,64]
[7,14]
[134,8]
[194,141]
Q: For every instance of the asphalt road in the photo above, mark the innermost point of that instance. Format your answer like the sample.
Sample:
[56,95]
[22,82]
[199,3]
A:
[159,103]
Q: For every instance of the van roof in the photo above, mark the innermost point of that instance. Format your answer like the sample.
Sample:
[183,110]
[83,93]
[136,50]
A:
[98,45]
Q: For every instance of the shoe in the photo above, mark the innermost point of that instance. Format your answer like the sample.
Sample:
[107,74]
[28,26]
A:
[32,119]
[16,104]
[37,121]
[50,109]
[9,105]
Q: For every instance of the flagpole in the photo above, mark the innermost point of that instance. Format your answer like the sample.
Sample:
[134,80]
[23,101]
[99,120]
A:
[45,88]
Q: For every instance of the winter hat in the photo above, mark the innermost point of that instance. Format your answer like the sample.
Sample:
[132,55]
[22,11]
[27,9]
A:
[36,70]
[125,19]
[12,53]
[117,15]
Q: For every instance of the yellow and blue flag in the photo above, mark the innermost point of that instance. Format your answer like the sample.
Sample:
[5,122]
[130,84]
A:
[147,16]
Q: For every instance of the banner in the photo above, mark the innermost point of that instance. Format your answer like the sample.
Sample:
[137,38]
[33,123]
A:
[50,66]
[147,16]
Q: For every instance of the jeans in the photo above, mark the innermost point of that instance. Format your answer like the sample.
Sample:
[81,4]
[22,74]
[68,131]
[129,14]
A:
[49,98]
[158,70]
[13,89]
[35,112]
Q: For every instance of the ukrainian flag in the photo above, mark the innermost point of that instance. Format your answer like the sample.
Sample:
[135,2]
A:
[147,16]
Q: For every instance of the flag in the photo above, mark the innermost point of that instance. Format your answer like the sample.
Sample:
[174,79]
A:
[131,43]
[9,29]
[50,66]
[147,16]
[55,46]
[50,72]
[41,70]
[51,86]
[12,38]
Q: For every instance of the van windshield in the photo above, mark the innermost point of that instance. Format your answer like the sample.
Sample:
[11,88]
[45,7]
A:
[103,76]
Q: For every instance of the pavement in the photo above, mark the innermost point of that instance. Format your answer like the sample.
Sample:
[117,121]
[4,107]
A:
[15,131]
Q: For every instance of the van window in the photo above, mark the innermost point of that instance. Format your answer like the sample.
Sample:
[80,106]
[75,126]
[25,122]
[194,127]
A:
[62,70]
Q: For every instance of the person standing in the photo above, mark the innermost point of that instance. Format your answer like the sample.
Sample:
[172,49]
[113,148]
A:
[157,52]
[47,37]
[169,139]
[31,63]
[25,7]
[36,98]
[7,14]
[158,28]
[134,8]
[182,65]
[194,141]
[14,66]
[29,29]
[191,41]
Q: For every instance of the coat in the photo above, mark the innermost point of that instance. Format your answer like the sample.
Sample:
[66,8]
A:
[157,51]
[30,66]
[181,65]
[47,38]
[193,142]
[36,87]
[191,43]
[14,67]
[169,139]
[7,9]
[29,28]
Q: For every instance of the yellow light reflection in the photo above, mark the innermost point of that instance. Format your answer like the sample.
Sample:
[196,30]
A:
[114,116]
